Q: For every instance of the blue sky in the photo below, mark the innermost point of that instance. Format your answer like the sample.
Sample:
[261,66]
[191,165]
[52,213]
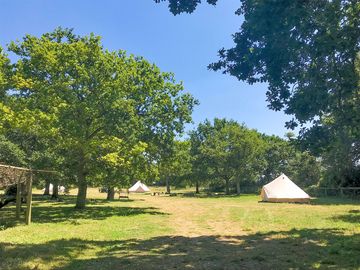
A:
[183,44]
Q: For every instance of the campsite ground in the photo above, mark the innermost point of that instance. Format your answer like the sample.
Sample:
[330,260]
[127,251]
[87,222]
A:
[180,232]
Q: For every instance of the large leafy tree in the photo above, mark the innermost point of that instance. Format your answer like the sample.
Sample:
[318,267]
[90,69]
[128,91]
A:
[91,94]
[306,51]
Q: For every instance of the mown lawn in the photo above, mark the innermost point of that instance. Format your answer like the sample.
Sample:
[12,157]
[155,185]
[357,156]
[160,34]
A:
[179,232]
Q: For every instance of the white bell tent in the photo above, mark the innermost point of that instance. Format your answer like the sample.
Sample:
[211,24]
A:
[139,187]
[282,189]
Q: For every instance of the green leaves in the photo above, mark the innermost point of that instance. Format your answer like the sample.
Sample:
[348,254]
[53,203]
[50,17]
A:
[306,51]
[104,108]
[226,150]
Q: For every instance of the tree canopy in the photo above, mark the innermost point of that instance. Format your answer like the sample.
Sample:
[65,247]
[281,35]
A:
[307,53]
[91,95]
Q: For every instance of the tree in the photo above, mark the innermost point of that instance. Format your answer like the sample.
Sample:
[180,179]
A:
[91,94]
[4,73]
[228,152]
[277,155]
[120,163]
[176,167]
[307,52]
[10,153]
[200,164]
[283,156]
[176,7]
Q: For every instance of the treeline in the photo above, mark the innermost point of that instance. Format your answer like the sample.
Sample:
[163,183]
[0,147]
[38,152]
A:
[224,154]
[106,118]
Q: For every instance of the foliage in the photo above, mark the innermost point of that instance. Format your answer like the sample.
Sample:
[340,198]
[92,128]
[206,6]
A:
[227,151]
[175,169]
[90,95]
[307,53]
[11,154]
[188,6]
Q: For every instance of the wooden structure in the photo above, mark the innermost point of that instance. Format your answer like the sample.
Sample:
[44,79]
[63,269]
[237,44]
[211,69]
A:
[11,175]
[123,194]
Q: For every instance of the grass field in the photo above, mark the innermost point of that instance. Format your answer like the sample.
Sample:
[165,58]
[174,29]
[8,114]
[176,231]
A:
[159,232]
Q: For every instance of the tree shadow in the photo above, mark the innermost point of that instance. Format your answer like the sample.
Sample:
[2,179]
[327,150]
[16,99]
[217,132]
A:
[294,249]
[45,214]
[334,201]
[8,217]
[214,195]
[71,199]
[65,212]
[353,216]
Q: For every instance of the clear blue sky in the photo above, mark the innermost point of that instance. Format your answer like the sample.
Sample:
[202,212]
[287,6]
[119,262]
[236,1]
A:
[183,44]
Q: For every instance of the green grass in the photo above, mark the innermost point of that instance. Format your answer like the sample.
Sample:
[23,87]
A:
[183,232]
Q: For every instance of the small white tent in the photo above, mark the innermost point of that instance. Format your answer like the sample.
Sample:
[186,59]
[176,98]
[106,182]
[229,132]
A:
[282,189]
[139,188]
[61,189]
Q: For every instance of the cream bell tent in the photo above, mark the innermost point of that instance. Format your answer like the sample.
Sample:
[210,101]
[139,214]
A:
[282,189]
[139,187]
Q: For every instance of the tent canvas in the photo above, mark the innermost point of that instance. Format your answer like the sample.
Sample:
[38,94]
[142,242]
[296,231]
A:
[61,189]
[139,187]
[282,189]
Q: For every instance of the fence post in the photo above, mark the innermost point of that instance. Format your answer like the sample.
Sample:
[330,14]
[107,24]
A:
[29,199]
[18,198]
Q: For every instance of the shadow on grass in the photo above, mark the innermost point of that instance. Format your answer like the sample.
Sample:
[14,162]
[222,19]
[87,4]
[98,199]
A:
[294,249]
[60,212]
[214,195]
[335,201]
[71,199]
[353,216]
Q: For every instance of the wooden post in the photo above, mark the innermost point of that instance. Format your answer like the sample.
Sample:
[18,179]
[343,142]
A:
[29,199]
[18,197]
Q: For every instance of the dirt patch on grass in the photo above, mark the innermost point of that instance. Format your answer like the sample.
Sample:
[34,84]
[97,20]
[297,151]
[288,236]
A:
[194,217]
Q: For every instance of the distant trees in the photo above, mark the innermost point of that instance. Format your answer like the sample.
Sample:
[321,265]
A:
[227,154]
[226,151]
[176,167]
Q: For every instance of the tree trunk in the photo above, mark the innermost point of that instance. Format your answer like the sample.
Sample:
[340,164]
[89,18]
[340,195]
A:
[197,187]
[227,189]
[47,187]
[110,194]
[238,188]
[82,185]
[55,193]
[167,185]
